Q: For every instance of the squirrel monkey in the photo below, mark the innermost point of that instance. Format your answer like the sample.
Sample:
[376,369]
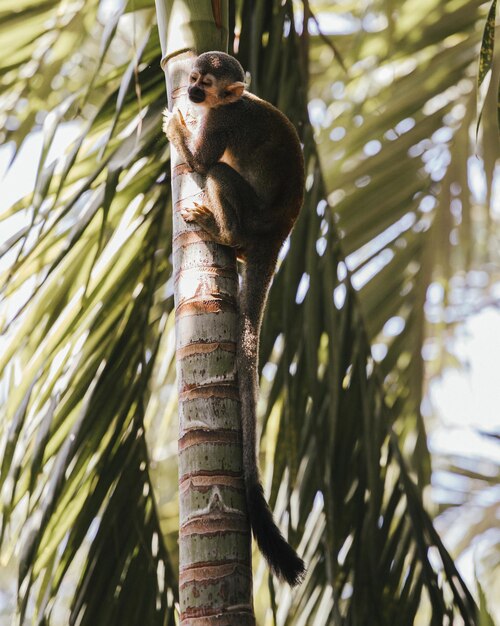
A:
[250,156]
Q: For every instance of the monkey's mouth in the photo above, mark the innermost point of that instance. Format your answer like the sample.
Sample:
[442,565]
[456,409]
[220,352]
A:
[196,95]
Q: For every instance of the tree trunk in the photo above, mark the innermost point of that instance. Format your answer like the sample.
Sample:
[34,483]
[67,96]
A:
[215,579]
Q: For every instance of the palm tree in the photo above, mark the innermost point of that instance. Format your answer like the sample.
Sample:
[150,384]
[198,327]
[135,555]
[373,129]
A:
[88,472]
[215,569]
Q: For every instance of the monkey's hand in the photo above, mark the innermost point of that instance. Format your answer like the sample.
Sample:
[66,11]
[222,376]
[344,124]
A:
[174,125]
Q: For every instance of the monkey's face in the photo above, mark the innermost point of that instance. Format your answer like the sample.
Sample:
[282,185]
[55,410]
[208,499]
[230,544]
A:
[205,89]
[202,89]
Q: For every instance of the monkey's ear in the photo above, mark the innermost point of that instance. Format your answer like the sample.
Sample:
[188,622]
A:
[233,92]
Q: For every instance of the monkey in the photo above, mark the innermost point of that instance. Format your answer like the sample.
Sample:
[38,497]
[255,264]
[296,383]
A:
[251,158]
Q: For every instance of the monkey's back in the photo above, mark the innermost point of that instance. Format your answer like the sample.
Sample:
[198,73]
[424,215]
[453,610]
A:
[264,147]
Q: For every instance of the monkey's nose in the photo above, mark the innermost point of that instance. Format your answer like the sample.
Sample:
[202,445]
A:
[196,95]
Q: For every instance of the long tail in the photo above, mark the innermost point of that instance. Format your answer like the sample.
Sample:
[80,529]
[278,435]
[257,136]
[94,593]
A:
[281,557]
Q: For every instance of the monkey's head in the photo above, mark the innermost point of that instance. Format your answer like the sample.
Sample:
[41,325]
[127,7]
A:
[216,79]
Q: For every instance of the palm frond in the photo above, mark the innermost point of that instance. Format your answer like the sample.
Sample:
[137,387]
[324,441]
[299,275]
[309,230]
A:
[87,310]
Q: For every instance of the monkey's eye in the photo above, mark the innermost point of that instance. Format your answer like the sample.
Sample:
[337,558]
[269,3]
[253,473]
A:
[192,78]
[207,83]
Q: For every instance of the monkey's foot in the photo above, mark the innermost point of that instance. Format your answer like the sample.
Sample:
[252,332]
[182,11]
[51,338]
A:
[198,213]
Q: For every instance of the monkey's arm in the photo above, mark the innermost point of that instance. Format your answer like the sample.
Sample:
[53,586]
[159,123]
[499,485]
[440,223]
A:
[200,151]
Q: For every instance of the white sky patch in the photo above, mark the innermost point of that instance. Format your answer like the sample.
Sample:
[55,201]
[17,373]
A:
[394,326]
[372,147]
[108,8]
[470,397]
[379,351]
[302,288]
[19,179]
[339,295]
[477,178]
[330,23]
[317,111]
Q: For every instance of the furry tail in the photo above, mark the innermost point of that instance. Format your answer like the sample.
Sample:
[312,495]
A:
[283,561]
[281,557]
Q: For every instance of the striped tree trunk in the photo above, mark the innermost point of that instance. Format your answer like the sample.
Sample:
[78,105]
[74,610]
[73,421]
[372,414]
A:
[215,580]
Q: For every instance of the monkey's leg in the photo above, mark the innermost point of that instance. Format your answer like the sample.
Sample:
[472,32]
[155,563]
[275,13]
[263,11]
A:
[228,203]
